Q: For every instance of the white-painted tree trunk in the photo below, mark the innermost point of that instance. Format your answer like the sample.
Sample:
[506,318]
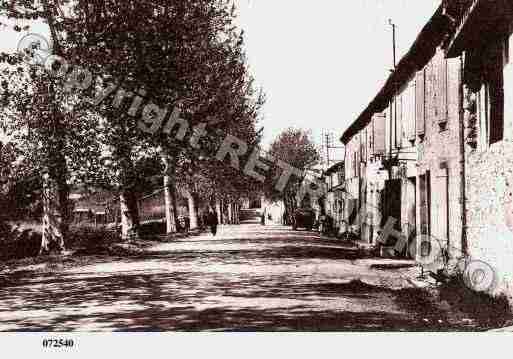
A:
[54,217]
[169,194]
[129,216]
[193,210]
[219,211]
[230,213]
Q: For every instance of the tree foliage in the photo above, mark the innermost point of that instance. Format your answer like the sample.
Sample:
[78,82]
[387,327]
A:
[296,148]
[184,54]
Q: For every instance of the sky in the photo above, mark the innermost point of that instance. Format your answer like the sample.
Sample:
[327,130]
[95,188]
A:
[321,62]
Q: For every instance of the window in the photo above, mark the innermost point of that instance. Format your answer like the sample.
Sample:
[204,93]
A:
[484,115]
[490,98]
[496,99]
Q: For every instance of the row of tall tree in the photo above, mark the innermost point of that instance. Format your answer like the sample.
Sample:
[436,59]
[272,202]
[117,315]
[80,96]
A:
[185,54]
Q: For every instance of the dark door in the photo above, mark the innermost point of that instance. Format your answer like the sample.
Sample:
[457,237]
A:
[392,203]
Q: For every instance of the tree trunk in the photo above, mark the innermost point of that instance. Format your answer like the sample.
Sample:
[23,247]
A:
[54,216]
[55,188]
[230,213]
[290,208]
[170,204]
[193,209]
[219,210]
[169,194]
[129,215]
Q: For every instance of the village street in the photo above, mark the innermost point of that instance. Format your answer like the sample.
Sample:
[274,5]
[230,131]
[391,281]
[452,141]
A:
[249,277]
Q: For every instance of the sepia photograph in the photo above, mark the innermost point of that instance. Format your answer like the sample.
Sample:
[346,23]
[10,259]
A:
[329,168]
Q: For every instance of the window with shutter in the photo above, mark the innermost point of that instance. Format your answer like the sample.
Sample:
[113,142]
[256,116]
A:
[420,102]
[491,99]
[496,83]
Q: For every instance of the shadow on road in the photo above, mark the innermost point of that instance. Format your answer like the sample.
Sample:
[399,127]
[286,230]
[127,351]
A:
[221,285]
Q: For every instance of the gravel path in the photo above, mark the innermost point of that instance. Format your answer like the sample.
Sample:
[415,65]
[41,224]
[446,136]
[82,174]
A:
[247,278]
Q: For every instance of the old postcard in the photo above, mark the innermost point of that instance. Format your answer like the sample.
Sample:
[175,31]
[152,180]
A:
[255,166]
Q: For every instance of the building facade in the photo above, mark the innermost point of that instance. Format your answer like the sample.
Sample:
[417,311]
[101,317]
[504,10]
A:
[334,202]
[400,138]
[482,39]
[446,170]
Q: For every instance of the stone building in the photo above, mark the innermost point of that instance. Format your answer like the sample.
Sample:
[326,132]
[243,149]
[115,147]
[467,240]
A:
[446,115]
[334,203]
[482,38]
[398,140]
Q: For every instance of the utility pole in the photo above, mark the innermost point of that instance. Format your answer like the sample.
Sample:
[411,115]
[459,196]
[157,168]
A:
[327,139]
[394,114]
[393,41]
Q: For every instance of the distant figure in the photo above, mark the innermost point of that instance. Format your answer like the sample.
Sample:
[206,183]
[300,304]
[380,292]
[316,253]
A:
[212,222]
[187,224]
[204,220]
[322,224]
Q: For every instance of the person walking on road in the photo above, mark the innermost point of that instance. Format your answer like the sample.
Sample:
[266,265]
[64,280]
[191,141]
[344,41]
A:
[212,222]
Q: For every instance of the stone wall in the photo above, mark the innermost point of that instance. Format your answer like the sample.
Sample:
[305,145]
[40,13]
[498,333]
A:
[489,196]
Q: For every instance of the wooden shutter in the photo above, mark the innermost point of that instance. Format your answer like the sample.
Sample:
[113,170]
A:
[355,160]
[399,121]
[420,102]
[379,134]
[496,89]
[425,203]
[410,112]
[363,146]
[440,207]
[443,109]
[370,138]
